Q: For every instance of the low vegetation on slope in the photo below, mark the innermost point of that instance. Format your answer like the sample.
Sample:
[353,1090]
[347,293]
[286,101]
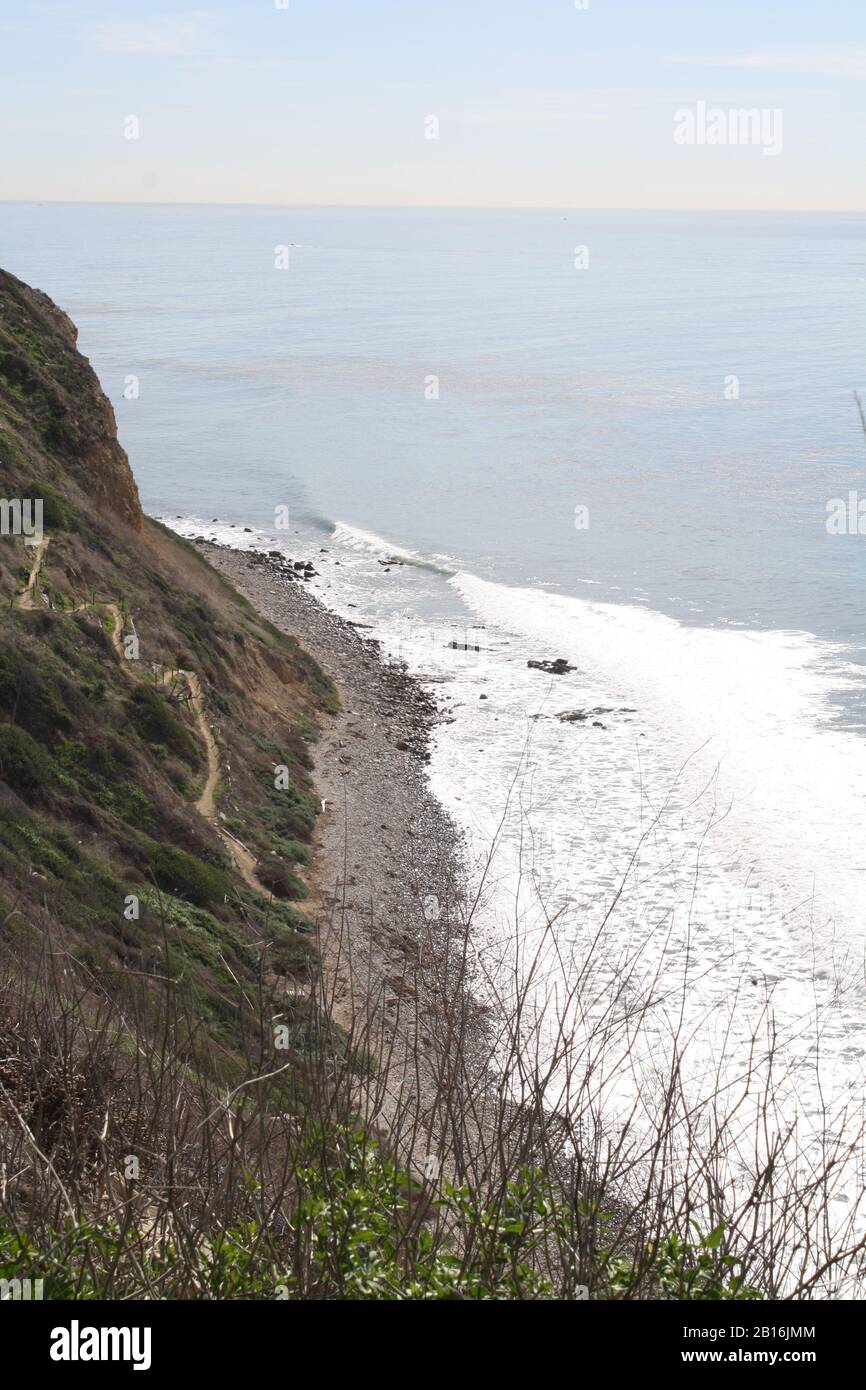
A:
[105,859]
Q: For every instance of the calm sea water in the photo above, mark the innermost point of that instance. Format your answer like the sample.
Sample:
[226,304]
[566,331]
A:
[448,387]
[558,387]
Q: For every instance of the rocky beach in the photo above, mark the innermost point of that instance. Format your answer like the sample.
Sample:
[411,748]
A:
[386,878]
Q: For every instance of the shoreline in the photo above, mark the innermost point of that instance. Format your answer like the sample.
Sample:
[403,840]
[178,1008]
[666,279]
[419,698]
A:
[387,879]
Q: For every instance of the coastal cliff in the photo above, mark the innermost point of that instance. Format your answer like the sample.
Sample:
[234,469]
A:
[49,395]
[156,803]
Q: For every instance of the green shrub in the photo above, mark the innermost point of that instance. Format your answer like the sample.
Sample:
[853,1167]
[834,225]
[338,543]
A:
[131,804]
[152,718]
[24,765]
[187,876]
[292,955]
[56,513]
[688,1271]
[278,878]
[292,850]
[29,692]
[37,846]
[292,812]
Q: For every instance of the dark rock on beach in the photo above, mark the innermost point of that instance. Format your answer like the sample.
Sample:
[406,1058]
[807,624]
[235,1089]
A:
[559,667]
[582,716]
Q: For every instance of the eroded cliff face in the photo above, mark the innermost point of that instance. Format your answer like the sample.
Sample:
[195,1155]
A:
[51,399]
[143,707]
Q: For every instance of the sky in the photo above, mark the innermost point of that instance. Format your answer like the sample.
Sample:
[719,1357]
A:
[455,103]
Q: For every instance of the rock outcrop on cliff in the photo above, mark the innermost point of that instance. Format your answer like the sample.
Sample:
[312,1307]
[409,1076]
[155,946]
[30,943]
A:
[50,394]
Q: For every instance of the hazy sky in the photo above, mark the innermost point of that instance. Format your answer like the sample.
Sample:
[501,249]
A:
[538,102]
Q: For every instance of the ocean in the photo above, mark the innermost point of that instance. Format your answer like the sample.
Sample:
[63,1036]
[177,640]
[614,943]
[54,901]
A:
[512,436]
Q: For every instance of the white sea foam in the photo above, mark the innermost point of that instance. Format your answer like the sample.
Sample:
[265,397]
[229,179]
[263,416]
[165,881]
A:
[222,532]
[708,792]
[356,538]
[745,713]
[709,797]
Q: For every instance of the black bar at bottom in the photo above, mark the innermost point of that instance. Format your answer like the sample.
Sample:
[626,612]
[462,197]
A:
[256,1339]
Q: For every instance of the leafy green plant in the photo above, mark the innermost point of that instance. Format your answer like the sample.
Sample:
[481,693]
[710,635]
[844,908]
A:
[152,717]
[684,1270]
[187,876]
[23,763]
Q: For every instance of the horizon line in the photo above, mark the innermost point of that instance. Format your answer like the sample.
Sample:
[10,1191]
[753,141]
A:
[415,207]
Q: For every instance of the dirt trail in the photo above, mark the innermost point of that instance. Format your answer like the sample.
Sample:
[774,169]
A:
[244,861]
[205,804]
[117,630]
[25,599]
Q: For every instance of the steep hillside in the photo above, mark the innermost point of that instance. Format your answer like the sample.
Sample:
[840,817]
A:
[155,796]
